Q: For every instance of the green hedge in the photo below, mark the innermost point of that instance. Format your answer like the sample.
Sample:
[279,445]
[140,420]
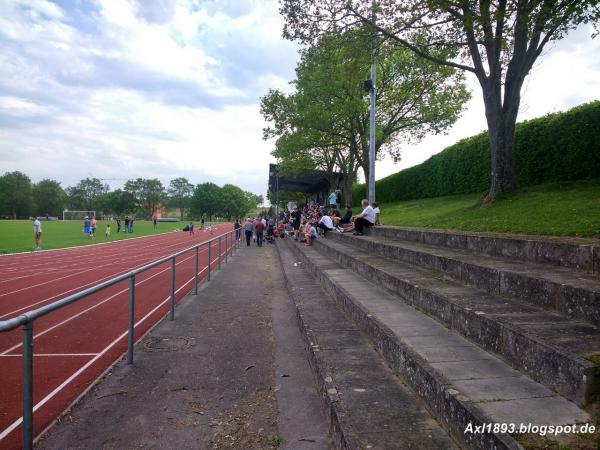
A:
[557,147]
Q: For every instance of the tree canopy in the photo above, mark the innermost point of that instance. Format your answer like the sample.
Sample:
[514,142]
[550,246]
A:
[49,197]
[496,40]
[324,123]
[148,193]
[180,193]
[19,198]
[15,195]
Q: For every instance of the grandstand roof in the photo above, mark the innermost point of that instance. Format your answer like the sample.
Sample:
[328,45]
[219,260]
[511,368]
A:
[308,181]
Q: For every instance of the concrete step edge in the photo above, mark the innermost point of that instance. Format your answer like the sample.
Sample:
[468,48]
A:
[341,432]
[583,254]
[573,301]
[450,409]
[572,377]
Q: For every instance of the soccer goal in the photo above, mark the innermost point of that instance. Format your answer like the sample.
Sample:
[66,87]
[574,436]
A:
[77,215]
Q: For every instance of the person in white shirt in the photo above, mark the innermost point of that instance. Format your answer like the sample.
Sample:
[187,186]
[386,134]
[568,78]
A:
[365,219]
[37,231]
[325,223]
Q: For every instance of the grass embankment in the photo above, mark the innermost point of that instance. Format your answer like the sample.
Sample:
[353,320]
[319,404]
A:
[17,235]
[559,209]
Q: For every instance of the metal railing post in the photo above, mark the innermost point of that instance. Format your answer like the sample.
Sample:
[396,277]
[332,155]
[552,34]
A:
[172,300]
[226,248]
[130,335]
[28,386]
[196,272]
[219,258]
[209,258]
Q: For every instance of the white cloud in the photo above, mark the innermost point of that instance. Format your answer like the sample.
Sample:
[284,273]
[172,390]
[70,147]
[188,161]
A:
[139,88]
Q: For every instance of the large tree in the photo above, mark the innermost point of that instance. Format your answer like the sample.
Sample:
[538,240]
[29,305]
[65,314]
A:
[496,40]
[49,197]
[235,203]
[84,194]
[180,193]
[324,124]
[206,201]
[148,193]
[117,202]
[15,195]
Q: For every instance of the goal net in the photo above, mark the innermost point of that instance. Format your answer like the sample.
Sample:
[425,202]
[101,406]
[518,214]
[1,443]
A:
[77,215]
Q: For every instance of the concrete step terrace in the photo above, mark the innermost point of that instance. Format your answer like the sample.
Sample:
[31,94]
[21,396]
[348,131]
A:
[549,347]
[460,382]
[366,405]
[570,291]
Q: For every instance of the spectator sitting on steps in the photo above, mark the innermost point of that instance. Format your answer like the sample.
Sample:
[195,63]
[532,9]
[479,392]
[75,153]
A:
[311,233]
[325,223]
[365,219]
[377,212]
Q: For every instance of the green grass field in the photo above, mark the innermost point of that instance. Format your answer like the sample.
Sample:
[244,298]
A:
[560,209]
[17,235]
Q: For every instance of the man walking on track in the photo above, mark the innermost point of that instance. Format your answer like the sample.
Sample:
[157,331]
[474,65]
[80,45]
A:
[37,231]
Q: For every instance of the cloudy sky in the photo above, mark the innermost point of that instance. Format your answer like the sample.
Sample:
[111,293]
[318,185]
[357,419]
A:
[120,89]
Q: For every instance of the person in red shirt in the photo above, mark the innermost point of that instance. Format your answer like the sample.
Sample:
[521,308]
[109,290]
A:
[259,227]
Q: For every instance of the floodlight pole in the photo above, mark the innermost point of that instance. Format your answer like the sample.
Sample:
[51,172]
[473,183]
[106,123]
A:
[371,180]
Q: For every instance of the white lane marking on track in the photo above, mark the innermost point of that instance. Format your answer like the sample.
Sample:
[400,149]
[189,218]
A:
[74,254]
[88,284]
[41,333]
[44,252]
[70,258]
[48,397]
[50,354]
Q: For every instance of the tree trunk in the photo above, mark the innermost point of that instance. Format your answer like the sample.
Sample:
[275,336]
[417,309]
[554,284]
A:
[347,188]
[501,129]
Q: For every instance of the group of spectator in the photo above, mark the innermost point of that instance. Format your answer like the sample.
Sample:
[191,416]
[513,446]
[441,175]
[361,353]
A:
[312,220]
[257,230]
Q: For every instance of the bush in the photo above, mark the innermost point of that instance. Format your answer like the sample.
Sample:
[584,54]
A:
[557,147]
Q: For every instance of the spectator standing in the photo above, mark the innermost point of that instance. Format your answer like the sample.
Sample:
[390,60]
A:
[87,229]
[154,221]
[107,232]
[126,228]
[259,228]
[118,220]
[37,233]
[296,215]
[202,223]
[332,199]
[131,224]
[94,224]
[237,227]
[338,198]
[248,229]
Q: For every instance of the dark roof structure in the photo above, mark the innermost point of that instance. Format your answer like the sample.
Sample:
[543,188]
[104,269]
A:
[308,182]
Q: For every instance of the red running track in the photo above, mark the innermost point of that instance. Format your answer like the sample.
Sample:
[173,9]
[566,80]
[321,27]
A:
[76,344]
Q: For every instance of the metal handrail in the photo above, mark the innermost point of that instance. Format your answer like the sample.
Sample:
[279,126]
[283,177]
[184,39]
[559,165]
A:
[27,319]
